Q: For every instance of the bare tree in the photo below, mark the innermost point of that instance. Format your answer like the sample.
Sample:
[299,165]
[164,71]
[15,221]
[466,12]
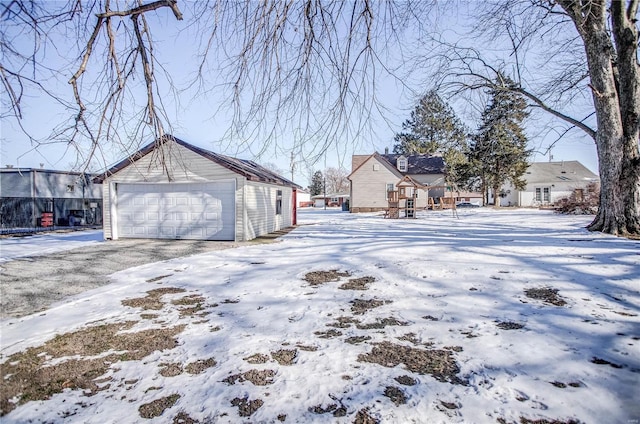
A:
[562,55]
[313,65]
[336,180]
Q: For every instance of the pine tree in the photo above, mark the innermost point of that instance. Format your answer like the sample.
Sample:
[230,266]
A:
[432,128]
[498,151]
[317,183]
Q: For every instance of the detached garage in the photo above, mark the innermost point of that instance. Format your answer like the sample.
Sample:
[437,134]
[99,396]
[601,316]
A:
[173,190]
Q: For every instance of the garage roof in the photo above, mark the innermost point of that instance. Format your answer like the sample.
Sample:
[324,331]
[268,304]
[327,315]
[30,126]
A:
[249,169]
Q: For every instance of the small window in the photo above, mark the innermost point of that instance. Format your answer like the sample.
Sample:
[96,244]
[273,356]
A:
[402,164]
[71,188]
[538,194]
[546,192]
[390,187]
[279,202]
[376,166]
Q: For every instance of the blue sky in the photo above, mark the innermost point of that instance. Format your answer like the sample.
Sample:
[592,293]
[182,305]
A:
[200,121]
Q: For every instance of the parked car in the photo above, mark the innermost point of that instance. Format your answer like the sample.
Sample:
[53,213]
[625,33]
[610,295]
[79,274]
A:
[467,205]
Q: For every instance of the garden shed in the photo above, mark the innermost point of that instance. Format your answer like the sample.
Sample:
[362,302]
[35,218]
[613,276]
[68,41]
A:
[174,190]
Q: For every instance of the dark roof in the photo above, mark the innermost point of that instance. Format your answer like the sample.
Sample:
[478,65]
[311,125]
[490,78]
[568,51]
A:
[418,164]
[249,169]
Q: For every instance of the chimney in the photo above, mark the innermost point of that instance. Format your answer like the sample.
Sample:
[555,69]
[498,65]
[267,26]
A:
[386,150]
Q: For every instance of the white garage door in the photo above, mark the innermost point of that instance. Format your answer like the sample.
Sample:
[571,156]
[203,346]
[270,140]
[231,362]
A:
[200,211]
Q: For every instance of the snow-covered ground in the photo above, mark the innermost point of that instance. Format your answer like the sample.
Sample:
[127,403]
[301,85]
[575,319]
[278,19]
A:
[445,330]
[47,243]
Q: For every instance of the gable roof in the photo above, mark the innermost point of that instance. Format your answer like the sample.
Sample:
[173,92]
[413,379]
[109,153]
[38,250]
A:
[564,171]
[416,164]
[248,169]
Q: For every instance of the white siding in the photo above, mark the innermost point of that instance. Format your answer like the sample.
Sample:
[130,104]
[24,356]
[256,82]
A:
[260,209]
[368,186]
[184,166]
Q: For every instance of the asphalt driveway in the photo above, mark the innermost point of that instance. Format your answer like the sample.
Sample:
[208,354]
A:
[31,284]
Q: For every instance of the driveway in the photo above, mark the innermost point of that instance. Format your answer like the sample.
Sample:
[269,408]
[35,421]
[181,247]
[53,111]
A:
[32,283]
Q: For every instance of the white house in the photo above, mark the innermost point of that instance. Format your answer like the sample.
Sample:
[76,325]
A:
[174,190]
[547,182]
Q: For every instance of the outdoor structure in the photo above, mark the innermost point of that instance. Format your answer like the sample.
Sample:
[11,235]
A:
[331,200]
[174,190]
[304,198]
[31,198]
[547,182]
[374,176]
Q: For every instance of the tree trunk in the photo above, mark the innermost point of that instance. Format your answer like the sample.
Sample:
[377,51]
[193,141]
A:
[615,82]
[496,196]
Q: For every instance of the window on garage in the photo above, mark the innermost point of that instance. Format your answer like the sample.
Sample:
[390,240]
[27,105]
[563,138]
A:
[279,202]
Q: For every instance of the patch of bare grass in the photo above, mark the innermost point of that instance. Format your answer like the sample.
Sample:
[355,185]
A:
[381,323]
[440,364]
[157,407]
[247,407]
[363,417]
[285,356]
[361,306]
[256,377]
[507,325]
[153,298]
[316,278]
[406,380]
[329,334]
[200,365]
[546,294]
[184,418]
[158,278]
[361,283]
[257,358]
[170,369]
[396,395]
[343,322]
[191,305]
[357,339]
[28,375]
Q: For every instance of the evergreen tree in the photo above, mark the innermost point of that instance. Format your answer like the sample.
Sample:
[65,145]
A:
[432,128]
[498,151]
[317,183]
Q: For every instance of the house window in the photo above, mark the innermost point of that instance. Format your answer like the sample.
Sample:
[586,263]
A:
[543,194]
[279,202]
[71,188]
[334,200]
[390,187]
[402,164]
[376,166]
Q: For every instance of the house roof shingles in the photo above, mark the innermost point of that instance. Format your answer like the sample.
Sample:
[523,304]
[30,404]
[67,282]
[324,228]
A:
[249,169]
[418,164]
[567,171]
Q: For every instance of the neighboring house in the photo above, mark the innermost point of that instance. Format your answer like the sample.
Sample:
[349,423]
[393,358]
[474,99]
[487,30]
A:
[173,190]
[372,176]
[331,200]
[547,182]
[304,199]
[39,197]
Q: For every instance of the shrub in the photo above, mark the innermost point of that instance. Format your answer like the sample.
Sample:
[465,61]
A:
[581,202]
